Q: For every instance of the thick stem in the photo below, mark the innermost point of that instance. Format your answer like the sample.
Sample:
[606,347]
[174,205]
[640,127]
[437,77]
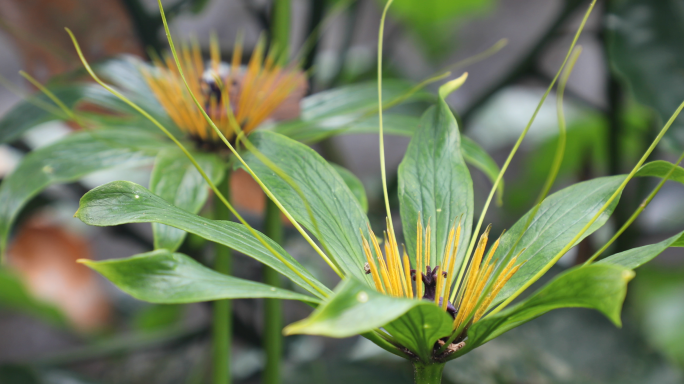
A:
[273,312]
[222,325]
[428,373]
[280,28]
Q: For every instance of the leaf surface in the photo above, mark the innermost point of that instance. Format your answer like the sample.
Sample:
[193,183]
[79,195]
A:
[122,202]
[69,159]
[173,278]
[176,180]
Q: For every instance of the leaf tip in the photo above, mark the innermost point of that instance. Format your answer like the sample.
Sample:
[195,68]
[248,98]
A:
[450,86]
[628,275]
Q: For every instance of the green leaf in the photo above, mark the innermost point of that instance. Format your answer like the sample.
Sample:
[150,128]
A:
[176,180]
[420,328]
[317,130]
[660,169]
[644,47]
[123,202]
[599,286]
[435,184]
[29,113]
[355,308]
[68,160]
[337,214]
[357,98]
[354,184]
[636,257]
[433,21]
[480,159]
[560,217]
[352,109]
[173,278]
[15,296]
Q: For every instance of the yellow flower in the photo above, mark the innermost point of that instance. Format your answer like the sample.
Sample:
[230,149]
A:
[230,93]
[392,274]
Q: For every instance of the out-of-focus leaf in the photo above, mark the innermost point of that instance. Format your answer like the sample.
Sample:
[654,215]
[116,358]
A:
[657,298]
[338,216]
[122,202]
[316,130]
[636,257]
[661,168]
[355,308]
[31,112]
[15,296]
[173,278]
[644,47]
[354,184]
[352,109]
[476,156]
[69,159]
[433,20]
[177,181]
[434,183]
[560,217]
[357,98]
[157,317]
[601,287]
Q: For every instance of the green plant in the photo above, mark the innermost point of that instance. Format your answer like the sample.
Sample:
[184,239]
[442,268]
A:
[380,301]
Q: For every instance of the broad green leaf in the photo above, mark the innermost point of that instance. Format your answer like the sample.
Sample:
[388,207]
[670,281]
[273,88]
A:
[644,47]
[316,130]
[661,168]
[123,202]
[435,184]
[31,112]
[69,159]
[420,328]
[357,98]
[173,278]
[600,286]
[636,257]
[176,180]
[15,296]
[355,308]
[560,217]
[480,159]
[354,184]
[337,214]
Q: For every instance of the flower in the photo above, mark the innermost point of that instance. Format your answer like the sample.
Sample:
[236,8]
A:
[392,275]
[230,93]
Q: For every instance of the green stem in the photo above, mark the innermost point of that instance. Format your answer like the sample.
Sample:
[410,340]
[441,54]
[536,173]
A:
[280,29]
[273,311]
[222,324]
[428,373]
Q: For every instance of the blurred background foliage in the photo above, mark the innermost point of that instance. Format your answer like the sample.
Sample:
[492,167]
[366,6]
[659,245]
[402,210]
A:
[59,323]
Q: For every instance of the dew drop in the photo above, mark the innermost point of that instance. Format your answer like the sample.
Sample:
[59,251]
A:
[48,169]
[362,297]
[426,326]
[273,289]
[137,197]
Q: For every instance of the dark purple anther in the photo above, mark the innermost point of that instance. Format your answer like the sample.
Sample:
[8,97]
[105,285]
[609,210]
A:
[430,282]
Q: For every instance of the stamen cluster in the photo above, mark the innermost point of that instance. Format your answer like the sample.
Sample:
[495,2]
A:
[472,291]
[235,97]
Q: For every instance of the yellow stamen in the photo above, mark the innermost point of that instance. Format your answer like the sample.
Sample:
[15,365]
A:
[419,259]
[407,275]
[373,267]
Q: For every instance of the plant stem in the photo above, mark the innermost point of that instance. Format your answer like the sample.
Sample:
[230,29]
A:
[428,373]
[280,29]
[273,312]
[222,326]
